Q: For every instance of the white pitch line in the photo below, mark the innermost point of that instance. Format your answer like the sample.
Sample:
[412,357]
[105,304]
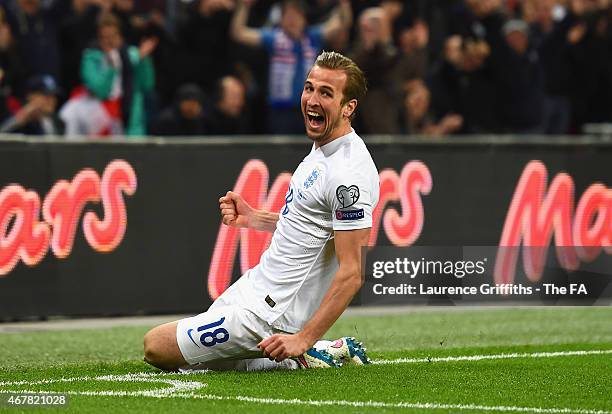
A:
[415,405]
[134,376]
[316,403]
[176,385]
[185,389]
[491,356]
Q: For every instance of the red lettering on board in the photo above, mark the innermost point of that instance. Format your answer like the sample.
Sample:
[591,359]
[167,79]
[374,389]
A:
[23,237]
[404,229]
[105,235]
[27,239]
[63,207]
[536,214]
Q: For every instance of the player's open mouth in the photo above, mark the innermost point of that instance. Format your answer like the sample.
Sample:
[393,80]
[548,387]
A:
[315,120]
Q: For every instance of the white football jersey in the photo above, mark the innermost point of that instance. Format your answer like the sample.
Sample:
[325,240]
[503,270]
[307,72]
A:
[335,187]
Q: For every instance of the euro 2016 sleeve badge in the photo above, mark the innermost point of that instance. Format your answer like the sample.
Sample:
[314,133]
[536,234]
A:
[347,196]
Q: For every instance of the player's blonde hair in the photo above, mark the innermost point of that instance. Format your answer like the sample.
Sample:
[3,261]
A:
[356,84]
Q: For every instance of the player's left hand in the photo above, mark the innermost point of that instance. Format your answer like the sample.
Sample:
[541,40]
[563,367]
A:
[279,347]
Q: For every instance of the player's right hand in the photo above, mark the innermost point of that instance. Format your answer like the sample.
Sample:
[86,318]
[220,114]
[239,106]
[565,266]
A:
[234,210]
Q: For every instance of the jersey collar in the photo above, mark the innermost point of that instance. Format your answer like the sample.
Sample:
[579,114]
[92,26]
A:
[333,146]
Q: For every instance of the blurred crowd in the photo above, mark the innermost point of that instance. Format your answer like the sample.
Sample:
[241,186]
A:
[223,67]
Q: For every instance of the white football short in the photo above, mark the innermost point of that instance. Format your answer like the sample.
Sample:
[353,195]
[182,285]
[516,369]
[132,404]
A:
[225,332]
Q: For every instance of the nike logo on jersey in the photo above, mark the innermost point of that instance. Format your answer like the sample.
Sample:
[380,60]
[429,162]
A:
[190,337]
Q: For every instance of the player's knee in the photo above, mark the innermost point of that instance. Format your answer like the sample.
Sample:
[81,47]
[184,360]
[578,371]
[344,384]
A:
[151,347]
[158,352]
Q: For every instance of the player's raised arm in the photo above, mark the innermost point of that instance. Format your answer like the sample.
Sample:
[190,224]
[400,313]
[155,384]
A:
[345,285]
[239,30]
[236,212]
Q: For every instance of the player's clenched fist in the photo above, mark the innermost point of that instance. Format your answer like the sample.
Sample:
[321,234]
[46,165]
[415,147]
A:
[234,210]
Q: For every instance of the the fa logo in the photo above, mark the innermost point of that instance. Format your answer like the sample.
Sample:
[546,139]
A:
[578,288]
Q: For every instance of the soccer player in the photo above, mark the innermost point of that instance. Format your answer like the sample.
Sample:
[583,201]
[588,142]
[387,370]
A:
[307,277]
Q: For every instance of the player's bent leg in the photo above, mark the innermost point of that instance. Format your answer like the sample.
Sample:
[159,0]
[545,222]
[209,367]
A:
[226,337]
[161,348]
[224,332]
[218,338]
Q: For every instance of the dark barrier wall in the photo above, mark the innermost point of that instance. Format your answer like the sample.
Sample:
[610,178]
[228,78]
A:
[94,249]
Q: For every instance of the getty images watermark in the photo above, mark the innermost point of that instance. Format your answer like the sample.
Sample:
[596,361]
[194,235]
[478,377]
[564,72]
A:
[475,274]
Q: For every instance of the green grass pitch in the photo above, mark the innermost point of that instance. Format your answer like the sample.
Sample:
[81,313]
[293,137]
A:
[526,360]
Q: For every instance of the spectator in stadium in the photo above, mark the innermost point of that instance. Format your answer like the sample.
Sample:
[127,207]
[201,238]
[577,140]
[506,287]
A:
[292,49]
[549,33]
[77,30]
[465,80]
[520,78]
[494,85]
[39,115]
[229,116]
[10,69]
[119,75]
[35,29]
[165,58]
[514,66]
[589,36]
[462,83]
[375,52]
[203,37]
[186,117]
[413,54]
[419,118]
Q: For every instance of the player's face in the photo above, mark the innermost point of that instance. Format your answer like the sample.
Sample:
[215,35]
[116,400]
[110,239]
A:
[322,105]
